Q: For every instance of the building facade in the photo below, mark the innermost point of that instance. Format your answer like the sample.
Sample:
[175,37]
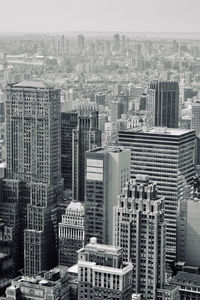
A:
[164,103]
[140,230]
[71,234]
[33,184]
[107,171]
[195,122]
[49,285]
[167,157]
[189,285]
[87,136]
[189,233]
[102,274]
[68,124]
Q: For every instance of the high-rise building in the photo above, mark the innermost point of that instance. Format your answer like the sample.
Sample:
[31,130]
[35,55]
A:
[140,230]
[164,103]
[68,123]
[107,171]
[87,136]
[189,233]
[195,122]
[81,42]
[33,184]
[143,101]
[71,234]
[102,273]
[167,157]
[115,111]
[116,42]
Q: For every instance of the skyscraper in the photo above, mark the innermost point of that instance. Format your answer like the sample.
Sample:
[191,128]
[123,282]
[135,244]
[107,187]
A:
[116,42]
[189,234]
[71,234]
[33,182]
[86,137]
[107,171]
[102,273]
[68,123]
[195,122]
[140,230]
[167,157]
[81,42]
[164,104]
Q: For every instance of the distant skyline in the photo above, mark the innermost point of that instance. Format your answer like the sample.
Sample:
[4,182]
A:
[100,15]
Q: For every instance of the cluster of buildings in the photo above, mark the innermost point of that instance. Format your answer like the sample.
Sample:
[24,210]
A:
[99,199]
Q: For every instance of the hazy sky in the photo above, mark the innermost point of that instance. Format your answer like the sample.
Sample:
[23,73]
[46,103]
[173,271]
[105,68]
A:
[100,15]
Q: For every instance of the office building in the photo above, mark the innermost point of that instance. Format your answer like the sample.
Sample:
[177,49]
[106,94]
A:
[81,42]
[115,111]
[68,123]
[87,136]
[71,234]
[102,274]
[6,258]
[119,107]
[107,171]
[189,285]
[143,102]
[164,104]
[140,230]
[168,292]
[48,285]
[167,157]
[33,184]
[116,42]
[195,121]
[189,233]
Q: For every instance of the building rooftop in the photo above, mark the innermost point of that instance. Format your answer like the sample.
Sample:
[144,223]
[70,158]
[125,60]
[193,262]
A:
[118,271]
[114,149]
[94,246]
[168,287]
[184,278]
[73,269]
[46,278]
[75,206]
[32,84]
[161,130]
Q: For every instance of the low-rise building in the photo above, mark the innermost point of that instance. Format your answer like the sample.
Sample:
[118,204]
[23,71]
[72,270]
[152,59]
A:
[50,285]
[189,285]
[102,274]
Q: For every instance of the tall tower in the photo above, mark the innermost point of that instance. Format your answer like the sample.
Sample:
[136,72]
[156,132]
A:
[167,157]
[33,178]
[140,230]
[87,136]
[195,122]
[164,104]
[71,234]
[81,42]
[68,124]
[107,171]
[116,42]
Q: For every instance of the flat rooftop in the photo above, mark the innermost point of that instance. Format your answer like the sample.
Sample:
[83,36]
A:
[102,248]
[160,130]
[107,150]
[73,269]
